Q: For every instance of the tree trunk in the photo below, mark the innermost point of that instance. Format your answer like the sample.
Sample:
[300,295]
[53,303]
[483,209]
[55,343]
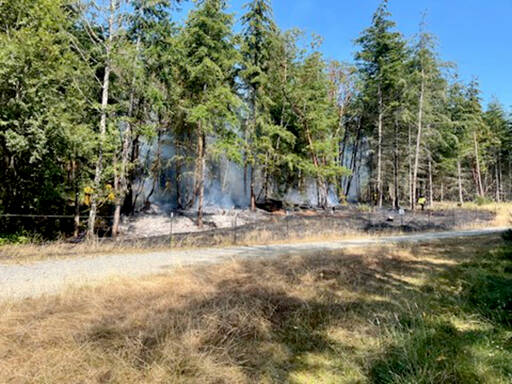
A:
[430,183]
[418,140]
[480,188]
[379,149]
[252,188]
[353,161]
[76,219]
[103,121]
[200,168]
[122,185]
[131,197]
[459,180]
[409,159]
[498,178]
[510,179]
[267,177]
[396,203]
[343,149]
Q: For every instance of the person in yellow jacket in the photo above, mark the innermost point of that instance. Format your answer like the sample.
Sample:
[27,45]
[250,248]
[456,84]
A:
[88,191]
[422,201]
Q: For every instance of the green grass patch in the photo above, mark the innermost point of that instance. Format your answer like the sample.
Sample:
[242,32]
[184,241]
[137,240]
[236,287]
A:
[462,330]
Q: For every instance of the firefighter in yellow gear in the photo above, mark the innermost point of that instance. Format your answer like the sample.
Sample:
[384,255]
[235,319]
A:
[88,191]
[422,201]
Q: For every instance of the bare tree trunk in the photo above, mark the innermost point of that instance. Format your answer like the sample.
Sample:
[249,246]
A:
[430,183]
[459,180]
[200,168]
[396,204]
[379,149]
[498,185]
[418,140]
[252,187]
[477,168]
[122,185]
[117,210]
[131,197]
[510,179]
[103,121]
[76,219]
[441,198]
[343,149]
[409,158]
[266,187]
[354,159]
[244,123]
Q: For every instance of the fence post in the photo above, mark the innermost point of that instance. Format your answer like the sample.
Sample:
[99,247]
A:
[170,239]
[287,226]
[234,229]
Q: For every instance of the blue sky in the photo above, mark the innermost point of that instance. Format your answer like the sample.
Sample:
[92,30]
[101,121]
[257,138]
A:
[474,34]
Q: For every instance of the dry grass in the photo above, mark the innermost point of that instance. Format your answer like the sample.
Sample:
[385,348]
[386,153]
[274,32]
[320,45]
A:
[311,319]
[502,211]
[33,252]
[27,253]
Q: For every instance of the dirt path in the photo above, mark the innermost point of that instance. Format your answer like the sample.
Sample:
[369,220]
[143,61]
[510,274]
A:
[48,277]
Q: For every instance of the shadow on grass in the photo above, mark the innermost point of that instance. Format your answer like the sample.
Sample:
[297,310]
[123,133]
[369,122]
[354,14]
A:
[272,320]
[467,338]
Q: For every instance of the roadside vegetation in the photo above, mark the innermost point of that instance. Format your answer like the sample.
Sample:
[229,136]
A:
[424,313]
[351,224]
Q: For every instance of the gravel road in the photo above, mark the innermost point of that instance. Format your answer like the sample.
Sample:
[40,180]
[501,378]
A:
[49,277]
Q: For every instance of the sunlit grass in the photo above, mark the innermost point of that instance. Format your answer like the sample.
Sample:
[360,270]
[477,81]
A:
[437,313]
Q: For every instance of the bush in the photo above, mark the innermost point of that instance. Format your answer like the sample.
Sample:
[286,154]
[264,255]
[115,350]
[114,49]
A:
[18,238]
[481,200]
[507,236]
[364,208]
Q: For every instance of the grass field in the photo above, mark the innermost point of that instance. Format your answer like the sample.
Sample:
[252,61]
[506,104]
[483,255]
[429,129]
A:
[424,313]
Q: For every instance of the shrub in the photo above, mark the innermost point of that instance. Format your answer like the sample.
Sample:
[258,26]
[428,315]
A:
[18,238]
[507,236]
[482,200]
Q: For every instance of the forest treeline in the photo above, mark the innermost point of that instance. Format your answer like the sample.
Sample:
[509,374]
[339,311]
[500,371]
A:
[94,93]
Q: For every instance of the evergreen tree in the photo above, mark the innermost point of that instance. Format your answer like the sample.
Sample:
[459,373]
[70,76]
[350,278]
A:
[427,92]
[209,98]
[317,123]
[496,144]
[379,59]
[258,42]
[45,129]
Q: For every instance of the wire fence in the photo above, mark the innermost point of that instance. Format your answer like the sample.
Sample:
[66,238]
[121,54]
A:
[291,225]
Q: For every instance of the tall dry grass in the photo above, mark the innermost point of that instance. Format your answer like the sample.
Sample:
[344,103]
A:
[307,319]
[502,213]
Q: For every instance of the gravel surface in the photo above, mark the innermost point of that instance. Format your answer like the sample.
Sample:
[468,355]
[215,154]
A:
[49,277]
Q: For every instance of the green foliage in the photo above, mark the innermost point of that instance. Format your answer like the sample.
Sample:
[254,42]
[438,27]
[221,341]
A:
[482,200]
[19,238]
[44,121]
[507,236]
[265,100]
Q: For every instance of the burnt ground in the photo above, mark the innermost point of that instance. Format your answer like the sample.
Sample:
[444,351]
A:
[304,224]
